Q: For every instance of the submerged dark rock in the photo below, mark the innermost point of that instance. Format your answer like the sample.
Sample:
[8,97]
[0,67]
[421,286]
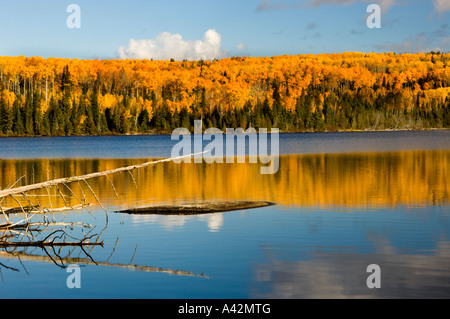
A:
[196,208]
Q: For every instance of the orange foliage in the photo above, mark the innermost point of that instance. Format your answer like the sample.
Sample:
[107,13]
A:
[229,82]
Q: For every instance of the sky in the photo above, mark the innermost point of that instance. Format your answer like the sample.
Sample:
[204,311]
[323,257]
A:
[194,29]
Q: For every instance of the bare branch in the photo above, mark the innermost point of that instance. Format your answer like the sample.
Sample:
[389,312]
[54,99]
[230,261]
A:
[110,181]
[19,190]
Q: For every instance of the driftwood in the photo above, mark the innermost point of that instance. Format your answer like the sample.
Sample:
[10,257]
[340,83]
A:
[38,209]
[48,244]
[45,233]
[67,180]
[26,235]
[32,209]
[197,208]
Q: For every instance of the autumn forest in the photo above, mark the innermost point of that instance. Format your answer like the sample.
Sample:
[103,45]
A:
[348,91]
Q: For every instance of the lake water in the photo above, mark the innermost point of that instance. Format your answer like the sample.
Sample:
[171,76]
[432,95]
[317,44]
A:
[343,201]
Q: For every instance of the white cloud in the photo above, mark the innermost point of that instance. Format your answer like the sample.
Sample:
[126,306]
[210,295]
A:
[266,5]
[240,46]
[172,46]
[437,40]
[445,43]
[317,3]
[412,44]
[385,5]
[441,5]
[420,43]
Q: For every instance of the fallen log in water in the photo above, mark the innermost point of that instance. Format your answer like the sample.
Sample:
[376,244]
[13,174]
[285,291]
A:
[37,209]
[67,180]
[48,244]
[196,208]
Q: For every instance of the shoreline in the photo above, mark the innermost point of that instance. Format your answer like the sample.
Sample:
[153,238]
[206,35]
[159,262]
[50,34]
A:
[280,132]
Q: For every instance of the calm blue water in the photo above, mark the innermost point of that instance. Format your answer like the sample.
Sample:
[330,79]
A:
[282,251]
[160,146]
